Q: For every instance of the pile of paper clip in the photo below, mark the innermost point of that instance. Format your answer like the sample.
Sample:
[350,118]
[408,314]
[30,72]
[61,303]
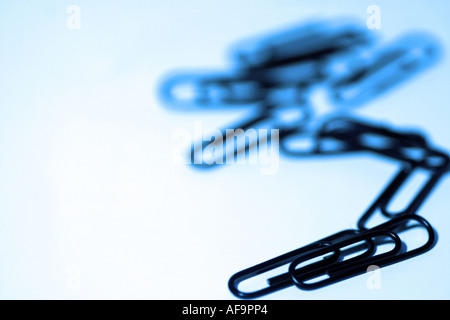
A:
[277,73]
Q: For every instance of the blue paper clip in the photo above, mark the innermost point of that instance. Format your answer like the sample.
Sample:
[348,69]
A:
[381,204]
[313,41]
[282,117]
[386,68]
[294,58]
[189,90]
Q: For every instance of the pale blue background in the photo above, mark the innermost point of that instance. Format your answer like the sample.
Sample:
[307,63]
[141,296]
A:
[91,204]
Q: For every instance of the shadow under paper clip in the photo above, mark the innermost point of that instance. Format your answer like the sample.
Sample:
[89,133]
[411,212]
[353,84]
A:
[275,76]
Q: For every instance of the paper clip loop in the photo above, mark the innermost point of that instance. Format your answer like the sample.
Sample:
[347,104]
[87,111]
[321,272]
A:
[314,41]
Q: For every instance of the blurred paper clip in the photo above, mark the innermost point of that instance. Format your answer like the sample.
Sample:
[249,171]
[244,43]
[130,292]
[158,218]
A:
[278,72]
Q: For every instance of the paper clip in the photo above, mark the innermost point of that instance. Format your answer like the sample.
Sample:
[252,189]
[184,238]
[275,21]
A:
[282,117]
[190,90]
[276,75]
[318,140]
[386,68]
[293,58]
[406,146]
[385,198]
[283,281]
[335,272]
[314,41]
[339,271]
